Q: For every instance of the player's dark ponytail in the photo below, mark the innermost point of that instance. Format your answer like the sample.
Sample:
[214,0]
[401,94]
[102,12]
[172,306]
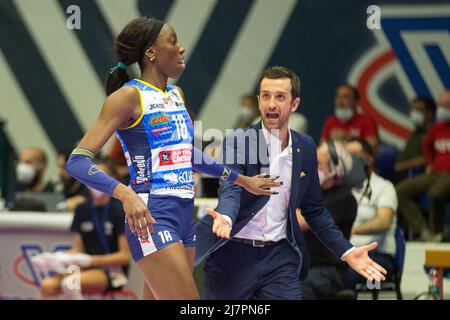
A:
[116,79]
[129,47]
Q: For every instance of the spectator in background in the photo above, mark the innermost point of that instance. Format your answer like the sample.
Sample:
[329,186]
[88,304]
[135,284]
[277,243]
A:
[30,170]
[248,111]
[347,122]
[100,249]
[298,122]
[326,273]
[422,116]
[435,182]
[376,216]
[75,192]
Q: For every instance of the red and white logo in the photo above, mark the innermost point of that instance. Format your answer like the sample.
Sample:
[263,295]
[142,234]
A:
[412,48]
[171,157]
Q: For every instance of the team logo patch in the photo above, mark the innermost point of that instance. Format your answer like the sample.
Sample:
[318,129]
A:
[225,174]
[93,170]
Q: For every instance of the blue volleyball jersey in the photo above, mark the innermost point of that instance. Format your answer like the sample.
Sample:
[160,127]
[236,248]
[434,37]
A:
[158,146]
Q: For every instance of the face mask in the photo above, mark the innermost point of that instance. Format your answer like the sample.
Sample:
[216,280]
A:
[343,114]
[245,113]
[25,173]
[357,175]
[95,194]
[442,114]
[417,118]
[324,176]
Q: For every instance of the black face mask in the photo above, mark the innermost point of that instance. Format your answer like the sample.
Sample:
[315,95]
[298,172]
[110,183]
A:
[359,172]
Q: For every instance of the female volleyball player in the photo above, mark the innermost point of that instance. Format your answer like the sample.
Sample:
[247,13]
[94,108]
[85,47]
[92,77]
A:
[150,119]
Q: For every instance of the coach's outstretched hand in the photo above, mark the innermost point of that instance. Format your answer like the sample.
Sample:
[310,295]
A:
[259,185]
[360,261]
[221,227]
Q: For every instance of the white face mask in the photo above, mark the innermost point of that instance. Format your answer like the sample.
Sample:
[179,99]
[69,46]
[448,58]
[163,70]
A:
[343,114]
[95,194]
[325,176]
[417,118]
[245,113]
[442,114]
[25,173]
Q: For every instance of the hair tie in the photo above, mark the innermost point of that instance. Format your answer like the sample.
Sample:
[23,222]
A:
[120,65]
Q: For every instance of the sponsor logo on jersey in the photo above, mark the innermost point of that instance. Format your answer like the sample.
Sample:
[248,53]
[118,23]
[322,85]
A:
[177,100]
[188,187]
[156,106]
[171,157]
[162,141]
[159,119]
[140,172]
[171,178]
[161,131]
[185,177]
[167,100]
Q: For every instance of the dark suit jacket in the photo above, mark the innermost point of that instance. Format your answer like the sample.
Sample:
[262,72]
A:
[241,205]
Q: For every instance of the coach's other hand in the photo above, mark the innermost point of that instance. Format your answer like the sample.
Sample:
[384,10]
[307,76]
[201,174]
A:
[221,226]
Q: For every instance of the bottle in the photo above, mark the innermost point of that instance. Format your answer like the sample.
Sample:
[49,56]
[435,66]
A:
[434,291]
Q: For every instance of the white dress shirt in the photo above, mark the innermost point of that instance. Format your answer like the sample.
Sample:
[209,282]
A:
[269,224]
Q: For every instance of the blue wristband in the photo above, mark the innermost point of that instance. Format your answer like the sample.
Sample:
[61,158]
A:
[81,167]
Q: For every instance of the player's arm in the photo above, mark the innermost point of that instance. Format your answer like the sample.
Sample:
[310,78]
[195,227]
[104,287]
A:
[118,110]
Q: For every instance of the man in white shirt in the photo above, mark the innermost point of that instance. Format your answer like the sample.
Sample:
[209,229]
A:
[257,249]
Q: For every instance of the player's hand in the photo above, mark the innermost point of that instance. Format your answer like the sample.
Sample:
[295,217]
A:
[139,217]
[221,227]
[259,185]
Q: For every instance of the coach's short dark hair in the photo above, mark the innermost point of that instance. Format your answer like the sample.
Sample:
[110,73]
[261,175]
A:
[277,72]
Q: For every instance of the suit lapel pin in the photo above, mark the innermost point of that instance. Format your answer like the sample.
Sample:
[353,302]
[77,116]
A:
[298,149]
[302,174]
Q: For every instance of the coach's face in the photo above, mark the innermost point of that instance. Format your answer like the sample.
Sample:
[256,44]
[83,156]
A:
[276,103]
